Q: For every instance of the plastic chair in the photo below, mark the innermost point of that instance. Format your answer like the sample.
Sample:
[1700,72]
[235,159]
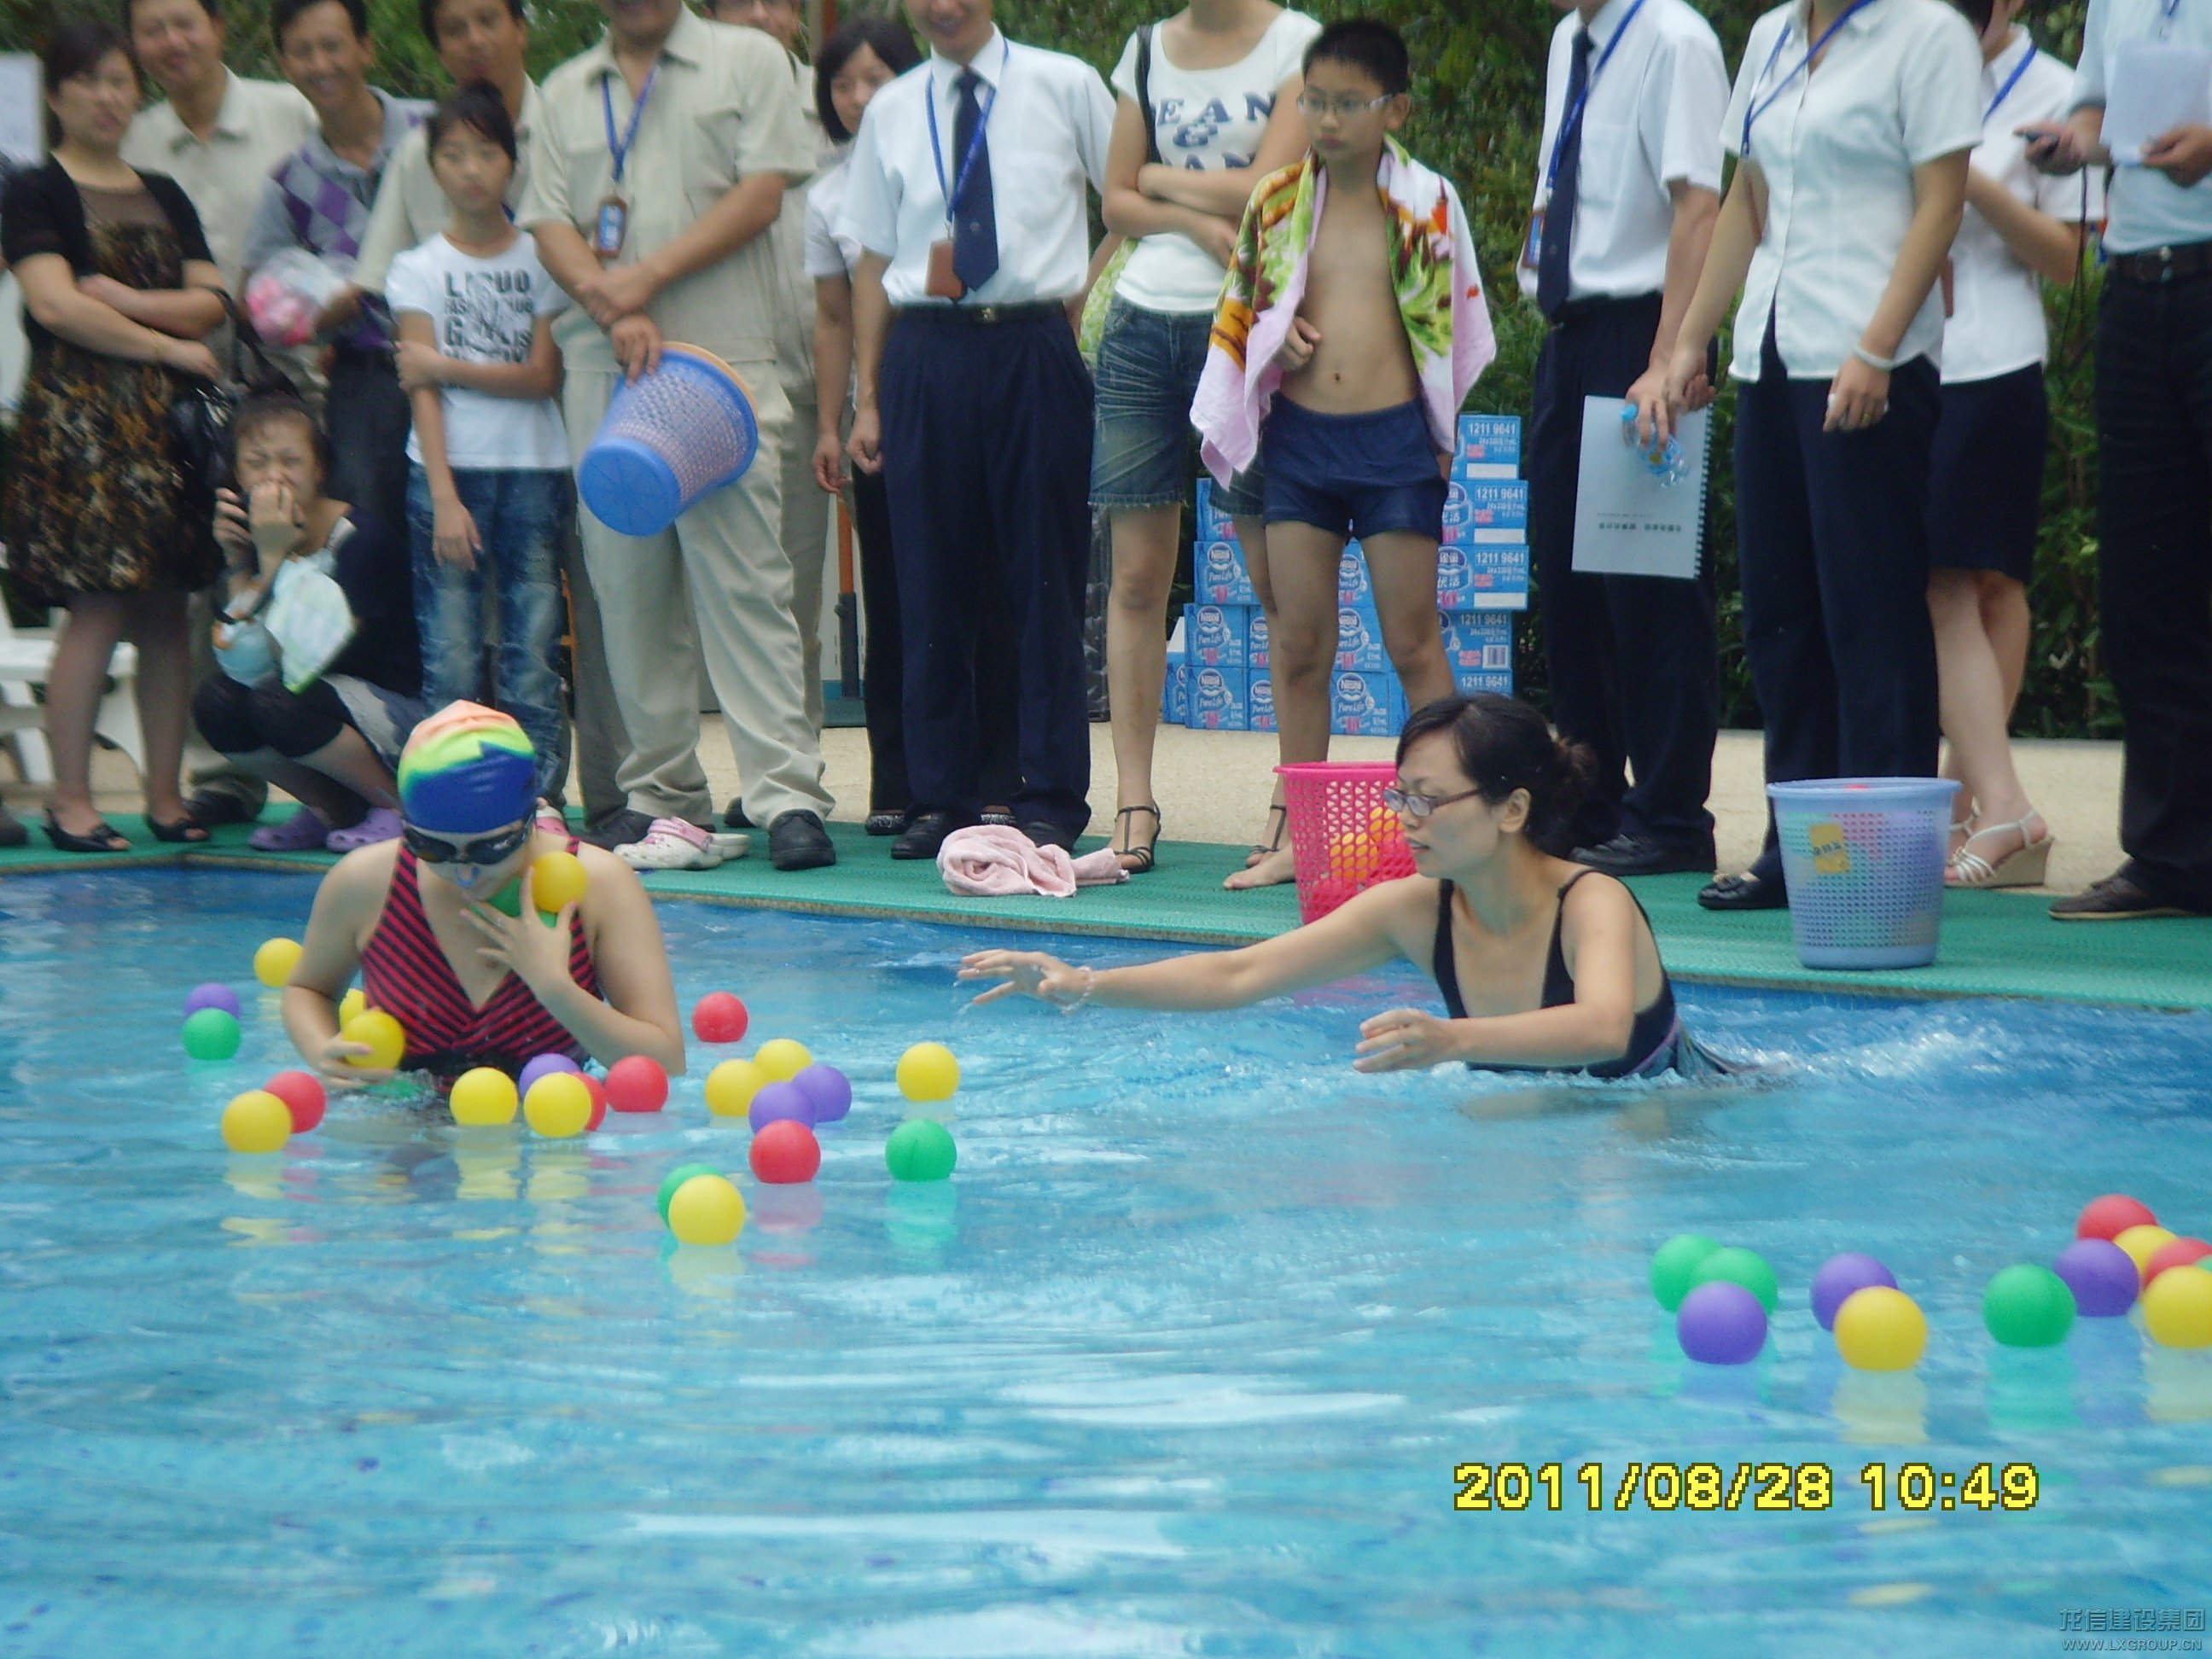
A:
[26,656]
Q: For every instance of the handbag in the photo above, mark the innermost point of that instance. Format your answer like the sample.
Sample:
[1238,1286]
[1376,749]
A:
[1100,299]
[199,428]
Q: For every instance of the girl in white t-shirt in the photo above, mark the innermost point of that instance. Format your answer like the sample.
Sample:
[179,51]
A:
[1207,108]
[488,481]
[1985,477]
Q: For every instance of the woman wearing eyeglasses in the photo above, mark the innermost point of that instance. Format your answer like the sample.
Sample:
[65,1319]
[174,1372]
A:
[1543,965]
[443,927]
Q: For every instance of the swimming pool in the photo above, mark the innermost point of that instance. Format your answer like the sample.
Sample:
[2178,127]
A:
[1182,1361]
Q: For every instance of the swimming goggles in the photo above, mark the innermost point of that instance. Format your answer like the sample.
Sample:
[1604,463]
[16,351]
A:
[500,845]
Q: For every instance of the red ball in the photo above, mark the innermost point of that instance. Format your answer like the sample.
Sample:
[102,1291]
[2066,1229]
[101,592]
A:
[720,1018]
[2112,1215]
[635,1083]
[2181,1253]
[598,1094]
[303,1092]
[786,1151]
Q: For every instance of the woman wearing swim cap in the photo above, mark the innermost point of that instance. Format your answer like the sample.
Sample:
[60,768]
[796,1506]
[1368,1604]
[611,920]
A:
[442,925]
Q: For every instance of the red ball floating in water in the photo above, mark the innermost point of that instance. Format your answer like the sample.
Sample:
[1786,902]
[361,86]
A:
[303,1092]
[2112,1215]
[2181,1253]
[598,1094]
[720,1018]
[635,1083]
[785,1152]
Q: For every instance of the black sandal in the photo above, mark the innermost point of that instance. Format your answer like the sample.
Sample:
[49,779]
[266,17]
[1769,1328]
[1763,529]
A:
[104,838]
[186,828]
[1144,854]
[1275,843]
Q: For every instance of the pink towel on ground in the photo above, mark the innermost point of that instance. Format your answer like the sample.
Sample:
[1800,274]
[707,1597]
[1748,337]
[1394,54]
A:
[992,860]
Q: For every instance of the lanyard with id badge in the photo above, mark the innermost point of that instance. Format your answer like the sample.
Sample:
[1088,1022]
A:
[944,282]
[1760,107]
[1532,250]
[610,222]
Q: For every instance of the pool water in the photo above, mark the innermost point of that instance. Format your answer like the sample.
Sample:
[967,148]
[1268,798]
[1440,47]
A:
[1181,1360]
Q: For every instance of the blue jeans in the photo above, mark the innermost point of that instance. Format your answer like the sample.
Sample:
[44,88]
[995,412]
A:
[522,518]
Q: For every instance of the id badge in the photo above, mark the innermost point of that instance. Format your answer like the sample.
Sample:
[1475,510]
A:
[610,225]
[1532,249]
[944,282]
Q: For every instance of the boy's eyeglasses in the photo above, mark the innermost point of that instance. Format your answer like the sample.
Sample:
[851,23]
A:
[500,845]
[1421,806]
[1344,109]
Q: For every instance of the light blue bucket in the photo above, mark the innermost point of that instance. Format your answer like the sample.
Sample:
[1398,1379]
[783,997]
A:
[668,438]
[1863,858]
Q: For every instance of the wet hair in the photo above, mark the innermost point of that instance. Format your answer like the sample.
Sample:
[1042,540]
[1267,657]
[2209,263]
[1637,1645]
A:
[74,49]
[1369,46]
[266,409]
[212,8]
[427,15]
[884,36]
[477,106]
[285,13]
[1503,744]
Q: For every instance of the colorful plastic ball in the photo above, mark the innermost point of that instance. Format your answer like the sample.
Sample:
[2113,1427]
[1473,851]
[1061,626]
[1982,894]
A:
[2142,1243]
[2112,1215]
[304,1093]
[213,995]
[706,1210]
[1671,1264]
[786,1151]
[779,1103]
[732,1085]
[2028,1306]
[211,1034]
[354,1002]
[828,1090]
[1720,1323]
[928,1072]
[544,1065]
[635,1083]
[258,1121]
[558,1106]
[1880,1329]
[274,961]
[484,1096]
[718,1017]
[2181,1253]
[921,1149]
[2178,1310]
[598,1093]
[557,879]
[782,1059]
[1733,1265]
[1839,1276]
[2102,1276]
[386,1040]
[674,1178]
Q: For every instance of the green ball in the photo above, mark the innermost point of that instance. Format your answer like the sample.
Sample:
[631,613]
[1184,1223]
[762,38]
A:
[1740,1266]
[211,1034]
[2028,1306]
[1673,1263]
[677,1177]
[921,1149]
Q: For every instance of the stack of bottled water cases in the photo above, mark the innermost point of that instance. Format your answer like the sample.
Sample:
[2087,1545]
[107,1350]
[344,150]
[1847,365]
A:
[1218,659]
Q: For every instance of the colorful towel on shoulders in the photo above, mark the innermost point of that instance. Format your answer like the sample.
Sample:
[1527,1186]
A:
[1439,284]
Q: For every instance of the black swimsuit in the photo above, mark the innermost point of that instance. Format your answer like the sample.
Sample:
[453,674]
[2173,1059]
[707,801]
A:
[1656,1042]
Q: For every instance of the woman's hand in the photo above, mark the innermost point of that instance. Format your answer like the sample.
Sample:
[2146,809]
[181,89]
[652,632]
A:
[1405,1040]
[1663,394]
[830,463]
[454,536]
[275,520]
[1858,397]
[865,446]
[421,366]
[1218,237]
[1298,346]
[1149,178]
[186,357]
[231,530]
[116,296]
[1030,973]
[534,951]
[334,1066]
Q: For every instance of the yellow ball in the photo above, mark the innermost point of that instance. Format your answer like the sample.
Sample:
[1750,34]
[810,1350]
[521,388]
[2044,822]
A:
[274,961]
[485,1095]
[387,1041]
[707,1209]
[354,1002]
[1880,1329]
[258,1121]
[2177,1309]
[732,1085]
[558,1105]
[928,1072]
[556,878]
[2142,1243]
[781,1060]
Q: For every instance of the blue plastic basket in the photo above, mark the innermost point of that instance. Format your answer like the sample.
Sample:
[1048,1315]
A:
[1863,858]
[668,438]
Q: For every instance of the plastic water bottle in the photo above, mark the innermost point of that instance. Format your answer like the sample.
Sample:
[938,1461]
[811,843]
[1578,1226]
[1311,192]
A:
[1667,461]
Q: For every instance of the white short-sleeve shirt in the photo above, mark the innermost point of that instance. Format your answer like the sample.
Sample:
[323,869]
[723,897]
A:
[1652,119]
[484,311]
[2149,209]
[1051,118]
[1997,323]
[1897,88]
[828,252]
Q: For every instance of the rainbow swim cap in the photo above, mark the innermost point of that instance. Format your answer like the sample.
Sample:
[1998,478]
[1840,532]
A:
[467,770]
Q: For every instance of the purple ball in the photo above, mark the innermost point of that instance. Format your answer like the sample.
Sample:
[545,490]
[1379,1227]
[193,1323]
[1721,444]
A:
[2101,1275]
[1839,1277]
[544,1065]
[1720,1323]
[778,1101]
[827,1090]
[213,995]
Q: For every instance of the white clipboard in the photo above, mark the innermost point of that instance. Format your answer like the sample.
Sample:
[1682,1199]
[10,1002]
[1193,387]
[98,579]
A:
[1628,522]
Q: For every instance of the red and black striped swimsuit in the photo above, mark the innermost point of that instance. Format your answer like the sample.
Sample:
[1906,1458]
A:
[404,972]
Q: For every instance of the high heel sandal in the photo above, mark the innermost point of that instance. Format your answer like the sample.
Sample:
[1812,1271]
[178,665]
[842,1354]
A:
[2024,866]
[1962,826]
[1143,854]
[1278,816]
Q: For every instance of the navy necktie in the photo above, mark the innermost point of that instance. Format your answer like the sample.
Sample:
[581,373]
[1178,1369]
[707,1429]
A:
[1559,213]
[974,218]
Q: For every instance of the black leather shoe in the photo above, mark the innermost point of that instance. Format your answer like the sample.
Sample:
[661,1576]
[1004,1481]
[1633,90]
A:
[734,814]
[618,828]
[925,832]
[1641,855]
[214,806]
[1745,892]
[1052,835]
[798,841]
[2116,898]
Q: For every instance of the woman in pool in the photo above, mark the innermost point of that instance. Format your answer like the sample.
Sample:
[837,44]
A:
[1543,964]
[424,918]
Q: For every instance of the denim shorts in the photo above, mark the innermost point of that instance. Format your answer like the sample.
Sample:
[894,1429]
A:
[1352,475]
[1148,363]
